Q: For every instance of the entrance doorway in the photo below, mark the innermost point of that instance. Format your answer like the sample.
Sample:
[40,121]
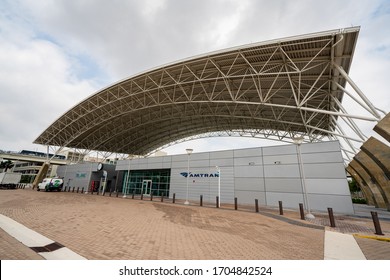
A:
[137,182]
[146,187]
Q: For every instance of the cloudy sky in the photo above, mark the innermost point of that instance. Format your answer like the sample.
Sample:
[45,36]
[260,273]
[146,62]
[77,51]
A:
[55,53]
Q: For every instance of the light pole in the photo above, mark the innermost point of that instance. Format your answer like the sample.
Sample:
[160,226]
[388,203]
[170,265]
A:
[126,183]
[219,186]
[298,141]
[189,152]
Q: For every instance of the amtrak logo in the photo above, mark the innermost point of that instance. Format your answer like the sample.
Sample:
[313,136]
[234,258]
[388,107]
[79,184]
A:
[199,175]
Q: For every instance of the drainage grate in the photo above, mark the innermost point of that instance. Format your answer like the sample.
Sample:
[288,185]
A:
[48,248]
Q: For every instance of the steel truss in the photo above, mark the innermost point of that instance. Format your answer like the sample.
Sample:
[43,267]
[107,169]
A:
[272,90]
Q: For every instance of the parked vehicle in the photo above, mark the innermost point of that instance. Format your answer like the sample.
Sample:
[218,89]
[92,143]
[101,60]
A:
[9,180]
[50,184]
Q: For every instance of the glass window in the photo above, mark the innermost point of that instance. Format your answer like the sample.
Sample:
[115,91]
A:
[160,181]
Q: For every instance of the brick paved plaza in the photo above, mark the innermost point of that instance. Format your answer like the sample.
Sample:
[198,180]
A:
[98,227]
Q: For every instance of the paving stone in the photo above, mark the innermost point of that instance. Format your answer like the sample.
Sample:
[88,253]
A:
[105,228]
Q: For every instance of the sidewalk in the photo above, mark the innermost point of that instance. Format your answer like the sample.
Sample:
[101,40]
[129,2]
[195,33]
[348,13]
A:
[43,246]
[97,227]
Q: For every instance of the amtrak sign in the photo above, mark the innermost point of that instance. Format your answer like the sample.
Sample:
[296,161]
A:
[199,175]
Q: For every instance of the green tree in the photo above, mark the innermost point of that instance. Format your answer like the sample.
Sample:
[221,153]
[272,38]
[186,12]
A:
[353,186]
[6,164]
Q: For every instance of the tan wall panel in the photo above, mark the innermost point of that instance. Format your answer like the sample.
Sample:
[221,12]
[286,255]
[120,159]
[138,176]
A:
[363,186]
[383,127]
[377,173]
[379,152]
[367,178]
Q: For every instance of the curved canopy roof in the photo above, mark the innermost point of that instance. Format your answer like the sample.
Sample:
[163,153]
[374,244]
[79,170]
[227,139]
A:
[282,88]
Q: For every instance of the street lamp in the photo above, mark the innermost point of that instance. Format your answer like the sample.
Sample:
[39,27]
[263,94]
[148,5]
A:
[298,141]
[189,152]
[219,186]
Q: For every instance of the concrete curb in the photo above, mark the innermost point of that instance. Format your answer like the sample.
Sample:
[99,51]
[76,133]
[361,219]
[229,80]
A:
[42,245]
[340,246]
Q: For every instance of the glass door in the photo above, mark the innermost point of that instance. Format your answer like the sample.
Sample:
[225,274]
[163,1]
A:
[146,187]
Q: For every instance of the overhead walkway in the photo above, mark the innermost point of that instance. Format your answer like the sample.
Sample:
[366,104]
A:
[30,158]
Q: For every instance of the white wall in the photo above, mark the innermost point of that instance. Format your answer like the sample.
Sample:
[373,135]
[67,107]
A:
[80,175]
[268,174]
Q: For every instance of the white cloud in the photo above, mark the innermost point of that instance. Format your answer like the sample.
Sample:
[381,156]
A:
[36,85]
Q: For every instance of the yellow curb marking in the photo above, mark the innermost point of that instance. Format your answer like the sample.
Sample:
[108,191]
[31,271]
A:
[373,237]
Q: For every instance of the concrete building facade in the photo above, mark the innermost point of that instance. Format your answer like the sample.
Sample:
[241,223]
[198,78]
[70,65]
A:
[269,174]
[88,175]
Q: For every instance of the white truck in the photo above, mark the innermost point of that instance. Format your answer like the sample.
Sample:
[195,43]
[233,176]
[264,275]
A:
[9,180]
[51,184]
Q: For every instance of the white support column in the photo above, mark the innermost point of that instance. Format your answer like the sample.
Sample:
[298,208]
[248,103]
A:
[349,121]
[358,91]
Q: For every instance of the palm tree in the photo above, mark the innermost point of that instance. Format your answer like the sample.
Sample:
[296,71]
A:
[7,164]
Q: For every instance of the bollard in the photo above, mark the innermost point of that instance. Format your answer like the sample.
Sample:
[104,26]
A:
[77,190]
[201,200]
[151,196]
[73,189]
[117,193]
[301,211]
[331,217]
[235,203]
[69,189]
[375,219]
[256,205]
[173,198]
[142,196]
[91,191]
[82,190]
[133,194]
[110,192]
[280,208]
[162,197]
[217,201]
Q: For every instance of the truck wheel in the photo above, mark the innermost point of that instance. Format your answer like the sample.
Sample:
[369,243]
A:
[38,189]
